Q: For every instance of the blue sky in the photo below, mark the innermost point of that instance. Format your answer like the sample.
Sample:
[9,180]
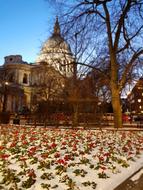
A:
[24,25]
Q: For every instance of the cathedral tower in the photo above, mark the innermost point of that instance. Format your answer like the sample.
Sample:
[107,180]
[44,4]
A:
[56,52]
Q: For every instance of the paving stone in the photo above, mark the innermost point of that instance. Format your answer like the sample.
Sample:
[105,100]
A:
[131,185]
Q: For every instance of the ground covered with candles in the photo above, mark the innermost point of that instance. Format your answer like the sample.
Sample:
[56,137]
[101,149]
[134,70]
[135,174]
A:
[66,159]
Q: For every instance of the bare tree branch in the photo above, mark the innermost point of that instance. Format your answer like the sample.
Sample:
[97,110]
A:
[128,67]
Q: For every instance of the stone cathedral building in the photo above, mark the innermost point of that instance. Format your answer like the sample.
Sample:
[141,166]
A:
[22,84]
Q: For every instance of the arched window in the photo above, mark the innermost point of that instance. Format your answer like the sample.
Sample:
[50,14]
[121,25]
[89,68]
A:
[25,78]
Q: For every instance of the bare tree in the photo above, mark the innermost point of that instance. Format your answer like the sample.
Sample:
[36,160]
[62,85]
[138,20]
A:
[46,92]
[50,85]
[83,96]
[115,26]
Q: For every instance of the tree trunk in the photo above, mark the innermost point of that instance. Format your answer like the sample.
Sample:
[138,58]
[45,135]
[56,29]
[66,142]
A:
[116,104]
[75,115]
[115,90]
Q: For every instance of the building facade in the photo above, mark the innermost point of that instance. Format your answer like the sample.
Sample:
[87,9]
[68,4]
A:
[135,98]
[23,84]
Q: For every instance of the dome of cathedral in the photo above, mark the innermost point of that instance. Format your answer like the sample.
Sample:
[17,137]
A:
[56,42]
[56,53]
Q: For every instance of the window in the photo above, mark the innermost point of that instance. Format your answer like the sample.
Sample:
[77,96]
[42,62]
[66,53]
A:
[60,67]
[11,78]
[25,81]
[140,88]
[139,100]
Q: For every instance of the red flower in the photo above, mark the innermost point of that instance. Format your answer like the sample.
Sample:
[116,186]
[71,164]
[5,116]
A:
[91,145]
[22,158]
[13,144]
[16,132]
[4,156]
[103,168]
[24,142]
[74,148]
[130,153]
[57,155]
[53,145]
[32,151]
[62,162]
[23,137]
[101,158]
[33,139]
[31,173]
[67,157]
[107,154]
[64,143]
[1,147]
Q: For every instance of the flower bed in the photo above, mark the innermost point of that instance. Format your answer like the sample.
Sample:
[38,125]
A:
[41,158]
